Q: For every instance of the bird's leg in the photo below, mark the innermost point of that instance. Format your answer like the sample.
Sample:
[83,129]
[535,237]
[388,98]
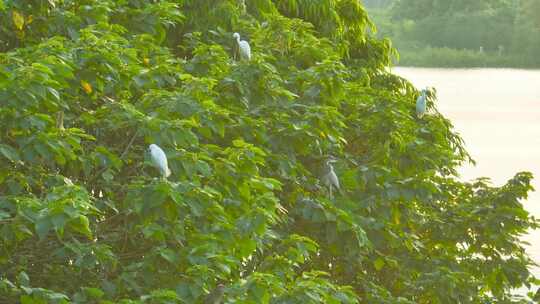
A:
[235,51]
[330,190]
[60,120]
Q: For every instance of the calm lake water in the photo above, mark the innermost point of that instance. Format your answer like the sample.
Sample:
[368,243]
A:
[497,112]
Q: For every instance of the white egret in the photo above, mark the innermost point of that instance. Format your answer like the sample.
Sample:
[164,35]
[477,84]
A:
[329,177]
[421,104]
[243,47]
[160,160]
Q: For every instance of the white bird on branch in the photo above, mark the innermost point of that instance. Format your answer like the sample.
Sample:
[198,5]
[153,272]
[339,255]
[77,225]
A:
[329,177]
[160,160]
[421,104]
[243,47]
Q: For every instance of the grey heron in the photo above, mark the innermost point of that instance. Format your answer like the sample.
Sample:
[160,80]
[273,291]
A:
[216,295]
[329,177]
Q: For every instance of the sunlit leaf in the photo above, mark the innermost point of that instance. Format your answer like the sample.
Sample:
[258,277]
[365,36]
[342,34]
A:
[86,87]
[18,20]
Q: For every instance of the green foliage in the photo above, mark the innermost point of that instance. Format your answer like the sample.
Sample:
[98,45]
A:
[86,86]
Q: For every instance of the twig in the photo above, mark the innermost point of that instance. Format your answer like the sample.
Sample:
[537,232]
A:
[131,141]
[7,220]
[129,144]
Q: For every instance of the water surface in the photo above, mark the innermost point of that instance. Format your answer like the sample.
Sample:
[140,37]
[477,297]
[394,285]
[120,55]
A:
[497,112]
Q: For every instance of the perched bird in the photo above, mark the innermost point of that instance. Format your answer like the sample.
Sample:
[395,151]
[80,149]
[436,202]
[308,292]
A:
[329,177]
[160,160]
[216,295]
[243,47]
[421,104]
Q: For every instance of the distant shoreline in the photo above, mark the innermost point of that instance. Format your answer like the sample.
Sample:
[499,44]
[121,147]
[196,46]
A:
[451,58]
[400,65]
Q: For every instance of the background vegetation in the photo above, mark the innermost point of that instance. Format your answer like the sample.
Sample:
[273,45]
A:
[86,86]
[452,33]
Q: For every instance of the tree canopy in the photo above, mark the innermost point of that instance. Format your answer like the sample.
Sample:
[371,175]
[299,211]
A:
[86,86]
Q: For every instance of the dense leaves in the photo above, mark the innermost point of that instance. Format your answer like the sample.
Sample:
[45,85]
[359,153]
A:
[86,86]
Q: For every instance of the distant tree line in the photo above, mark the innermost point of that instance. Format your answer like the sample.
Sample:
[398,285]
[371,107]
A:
[378,3]
[500,27]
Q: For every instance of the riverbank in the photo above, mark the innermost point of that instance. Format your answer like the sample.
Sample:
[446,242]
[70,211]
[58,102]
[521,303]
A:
[430,57]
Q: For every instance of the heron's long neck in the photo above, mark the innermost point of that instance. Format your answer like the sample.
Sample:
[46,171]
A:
[329,168]
[238,40]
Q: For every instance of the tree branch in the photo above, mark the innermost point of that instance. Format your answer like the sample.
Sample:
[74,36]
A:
[124,153]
